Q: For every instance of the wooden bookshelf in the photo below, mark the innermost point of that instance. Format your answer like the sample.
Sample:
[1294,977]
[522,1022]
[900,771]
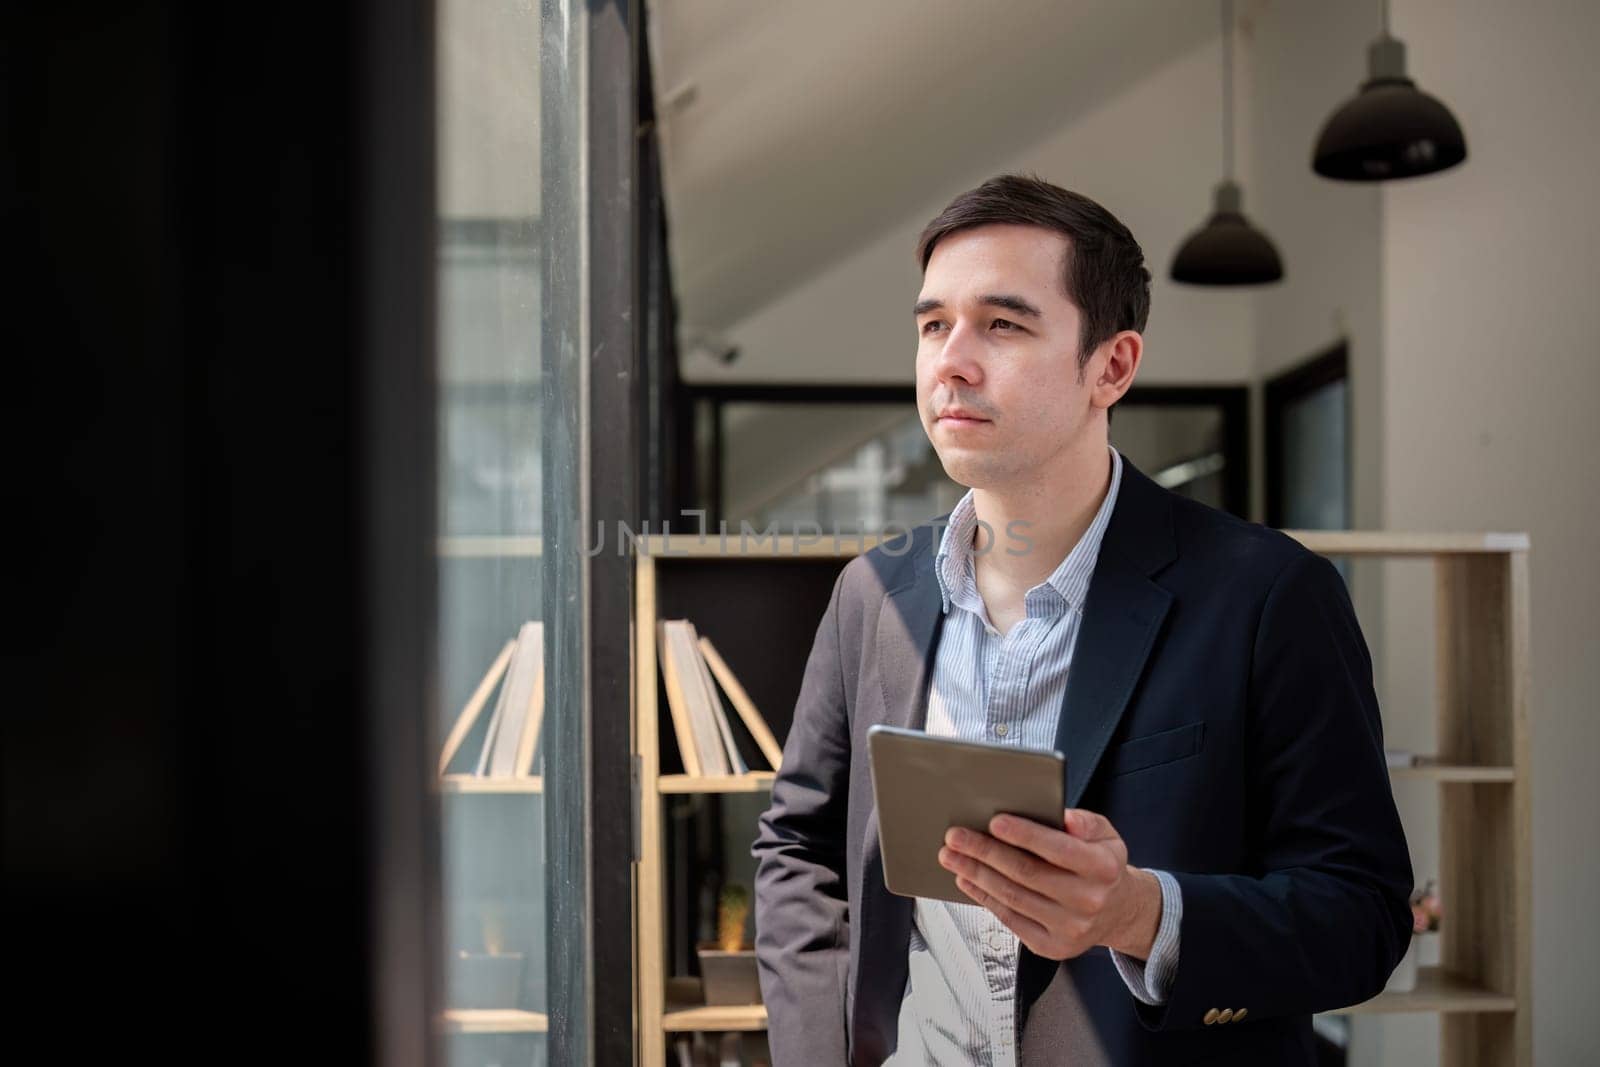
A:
[685,563]
[1482,990]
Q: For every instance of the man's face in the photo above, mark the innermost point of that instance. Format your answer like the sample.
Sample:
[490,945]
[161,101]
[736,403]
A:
[997,342]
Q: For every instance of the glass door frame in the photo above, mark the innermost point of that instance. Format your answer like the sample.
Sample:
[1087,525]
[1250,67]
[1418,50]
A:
[589,106]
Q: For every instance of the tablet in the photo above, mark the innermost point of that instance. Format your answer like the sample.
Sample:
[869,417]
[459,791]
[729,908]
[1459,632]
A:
[923,785]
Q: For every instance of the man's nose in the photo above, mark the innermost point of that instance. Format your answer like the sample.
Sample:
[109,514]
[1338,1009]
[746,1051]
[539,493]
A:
[960,356]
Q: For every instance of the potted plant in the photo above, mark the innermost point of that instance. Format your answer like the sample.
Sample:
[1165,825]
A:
[728,967]
[1426,912]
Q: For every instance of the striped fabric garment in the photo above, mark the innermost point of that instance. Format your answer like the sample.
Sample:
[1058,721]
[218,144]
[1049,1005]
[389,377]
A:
[959,1004]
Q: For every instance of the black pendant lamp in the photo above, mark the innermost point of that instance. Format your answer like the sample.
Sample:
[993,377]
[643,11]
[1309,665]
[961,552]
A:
[1390,129]
[1227,250]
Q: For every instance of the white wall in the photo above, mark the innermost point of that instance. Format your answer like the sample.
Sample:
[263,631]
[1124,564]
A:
[1304,57]
[1151,155]
[1307,56]
[1467,300]
[1491,337]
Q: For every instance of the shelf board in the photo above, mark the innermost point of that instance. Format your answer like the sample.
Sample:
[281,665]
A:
[1437,991]
[715,1017]
[480,546]
[472,783]
[753,782]
[493,1021]
[1455,772]
[1393,543]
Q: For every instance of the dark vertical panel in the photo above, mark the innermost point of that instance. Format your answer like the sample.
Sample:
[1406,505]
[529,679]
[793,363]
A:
[210,374]
[658,361]
[1236,448]
[565,435]
[398,246]
[615,409]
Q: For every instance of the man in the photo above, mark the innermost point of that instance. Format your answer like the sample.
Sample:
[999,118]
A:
[1230,859]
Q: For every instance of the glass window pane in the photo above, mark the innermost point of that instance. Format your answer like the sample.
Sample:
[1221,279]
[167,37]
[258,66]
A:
[1315,482]
[1179,446]
[854,468]
[497,486]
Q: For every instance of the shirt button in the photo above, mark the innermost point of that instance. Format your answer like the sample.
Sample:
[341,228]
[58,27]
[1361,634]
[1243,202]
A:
[1000,729]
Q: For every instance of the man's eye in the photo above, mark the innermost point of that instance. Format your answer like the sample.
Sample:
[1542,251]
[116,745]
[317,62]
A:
[931,327]
[1003,322]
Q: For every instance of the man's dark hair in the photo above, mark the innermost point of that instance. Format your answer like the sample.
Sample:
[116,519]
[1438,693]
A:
[1103,271]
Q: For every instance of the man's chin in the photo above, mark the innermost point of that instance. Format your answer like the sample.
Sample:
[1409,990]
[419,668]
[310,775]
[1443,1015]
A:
[972,470]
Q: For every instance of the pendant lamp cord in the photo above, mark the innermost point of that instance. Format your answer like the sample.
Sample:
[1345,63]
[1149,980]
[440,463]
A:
[1227,89]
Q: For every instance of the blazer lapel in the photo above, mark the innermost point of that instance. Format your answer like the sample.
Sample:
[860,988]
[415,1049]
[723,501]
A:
[1121,620]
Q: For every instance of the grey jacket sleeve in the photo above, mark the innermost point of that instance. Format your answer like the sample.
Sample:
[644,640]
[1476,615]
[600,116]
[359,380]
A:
[802,908]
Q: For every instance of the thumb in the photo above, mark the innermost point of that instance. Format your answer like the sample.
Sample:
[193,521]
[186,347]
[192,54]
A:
[1088,825]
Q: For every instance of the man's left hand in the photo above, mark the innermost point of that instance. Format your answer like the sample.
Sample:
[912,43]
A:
[1062,892]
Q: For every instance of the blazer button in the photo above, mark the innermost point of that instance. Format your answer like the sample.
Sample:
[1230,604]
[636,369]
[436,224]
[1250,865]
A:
[1239,1015]
[1227,1013]
[1211,1016]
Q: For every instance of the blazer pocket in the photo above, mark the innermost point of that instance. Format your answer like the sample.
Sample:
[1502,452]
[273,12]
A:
[1152,750]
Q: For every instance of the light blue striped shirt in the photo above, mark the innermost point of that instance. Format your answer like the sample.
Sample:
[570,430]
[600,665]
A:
[959,1005]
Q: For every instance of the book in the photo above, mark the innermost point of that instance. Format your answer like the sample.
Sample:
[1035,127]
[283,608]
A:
[519,686]
[474,707]
[719,714]
[707,737]
[494,719]
[752,718]
[677,699]
[702,719]
[530,727]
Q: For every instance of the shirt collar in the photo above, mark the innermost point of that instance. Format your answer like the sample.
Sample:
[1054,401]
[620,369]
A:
[1070,579]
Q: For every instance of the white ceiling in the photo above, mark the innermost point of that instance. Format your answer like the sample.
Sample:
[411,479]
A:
[793,132]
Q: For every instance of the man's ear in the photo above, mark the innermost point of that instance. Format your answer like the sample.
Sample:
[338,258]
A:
[1115,371]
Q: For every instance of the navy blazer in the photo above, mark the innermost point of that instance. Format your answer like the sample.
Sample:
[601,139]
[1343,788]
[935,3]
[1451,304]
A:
[1220,712]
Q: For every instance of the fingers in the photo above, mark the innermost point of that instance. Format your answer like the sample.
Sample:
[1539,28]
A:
[1090,859]
[1032,933]
[1026,883]
[991,889]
